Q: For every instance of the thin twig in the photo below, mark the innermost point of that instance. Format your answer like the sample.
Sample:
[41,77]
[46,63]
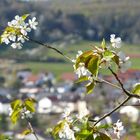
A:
[33,131]
[122,87]
[137,105]
[121,84]
[30,126]
[104,81]
[50,47]
[111,112]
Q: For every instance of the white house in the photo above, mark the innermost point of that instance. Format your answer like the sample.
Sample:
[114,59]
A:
[44,105]
[131,112]
[4,108]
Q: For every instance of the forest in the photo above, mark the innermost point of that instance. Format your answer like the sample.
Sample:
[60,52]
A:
[85,19]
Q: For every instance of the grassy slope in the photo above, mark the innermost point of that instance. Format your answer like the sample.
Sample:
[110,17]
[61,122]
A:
[93,7]
[71,50]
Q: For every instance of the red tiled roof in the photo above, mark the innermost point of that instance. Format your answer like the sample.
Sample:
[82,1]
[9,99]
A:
[32,78]
[68,76]
[129,74]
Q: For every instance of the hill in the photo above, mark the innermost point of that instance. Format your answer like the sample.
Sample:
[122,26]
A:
[87,19]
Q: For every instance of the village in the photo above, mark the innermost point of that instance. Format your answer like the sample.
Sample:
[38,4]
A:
[53,96]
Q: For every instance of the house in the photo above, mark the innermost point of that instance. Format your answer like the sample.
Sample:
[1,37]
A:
[129,74]
[40,79]
[31,80]
[29,92]
[4,108]
[131,112]
[24,73]
[68,77]
[44,105]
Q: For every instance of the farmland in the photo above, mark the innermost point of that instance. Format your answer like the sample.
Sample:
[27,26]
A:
[71,50]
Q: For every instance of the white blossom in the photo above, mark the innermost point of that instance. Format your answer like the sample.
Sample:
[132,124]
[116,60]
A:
[25,29]
[82,70]
[10,111]
[18,18]
[5,39]
[76,129]
[123,57]
[125,66]
[26,114]
[18,32]
[16,22]
[69,119]
[66,113]
[131,112]
[82,114]
[12,37]
[118,128]
[16,45]
[115,42]
[96,119]
[124,62]
[33,23]
[73,60]
[21,38]
[79,53]
[66,133]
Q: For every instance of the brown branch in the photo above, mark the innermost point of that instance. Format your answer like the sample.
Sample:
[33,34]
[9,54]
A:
[30,127]
[111,112]
[122,87]
[129,95]
[106,82]
[33,131]
[50,47]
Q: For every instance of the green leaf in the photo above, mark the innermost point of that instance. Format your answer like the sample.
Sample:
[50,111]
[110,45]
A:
[30,104]
[103,44]
[108,55]
[3,137]
[90,137]
[103,126]
[136,89]
[84,135]
[25,16]
[87,53]
[104,136]
[82,79]
[83,58]
[93,65]
[98,138]
[16,107]
[15,104]
[57,128]
[16,114]
[26,132]
[90,87]
[10,29]
[116,59]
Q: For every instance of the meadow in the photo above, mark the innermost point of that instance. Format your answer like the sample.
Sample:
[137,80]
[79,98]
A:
[71,50]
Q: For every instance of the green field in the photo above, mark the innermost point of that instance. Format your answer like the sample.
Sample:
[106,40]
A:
[56,68]
[71,50]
